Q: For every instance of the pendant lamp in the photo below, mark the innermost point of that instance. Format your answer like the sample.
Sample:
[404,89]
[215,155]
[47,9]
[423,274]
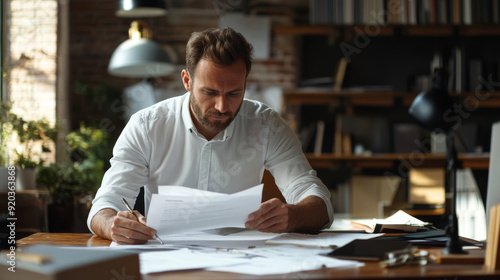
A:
[141,8]
[139,56]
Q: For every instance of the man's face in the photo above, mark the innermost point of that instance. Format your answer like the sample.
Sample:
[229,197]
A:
[216,95]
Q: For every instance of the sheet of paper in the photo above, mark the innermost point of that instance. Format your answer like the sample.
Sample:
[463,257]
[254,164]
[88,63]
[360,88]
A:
[183,191]
[242,239]
[398,218]
[264,266]
[285,259]
[403,218]
[322,240]
[158,261]
[343,225]
[171,214]
[285,251]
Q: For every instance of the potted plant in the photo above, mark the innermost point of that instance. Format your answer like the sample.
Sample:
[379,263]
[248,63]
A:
[73,184]
[34,138]
[5,135]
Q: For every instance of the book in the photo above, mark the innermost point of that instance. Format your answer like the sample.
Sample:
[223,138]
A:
[49,262]
[475,73]
[370,249]
[430,238]
[307,137]
[397,223]
[346,144]
[340,73]
[337,138]
[320,132]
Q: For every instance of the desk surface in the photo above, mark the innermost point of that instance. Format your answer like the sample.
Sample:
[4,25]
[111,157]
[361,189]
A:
[370,271]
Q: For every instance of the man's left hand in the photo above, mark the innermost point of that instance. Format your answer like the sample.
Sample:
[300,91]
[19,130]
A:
[309,215]
[272,216]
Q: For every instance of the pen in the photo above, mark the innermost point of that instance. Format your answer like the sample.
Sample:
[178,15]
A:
[131,211]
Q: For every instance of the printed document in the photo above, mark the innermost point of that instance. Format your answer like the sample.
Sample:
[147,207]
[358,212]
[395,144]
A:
[179,209]
[321,240]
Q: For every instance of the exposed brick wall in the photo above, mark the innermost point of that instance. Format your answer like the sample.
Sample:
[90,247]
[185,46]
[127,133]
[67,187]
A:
[96,32]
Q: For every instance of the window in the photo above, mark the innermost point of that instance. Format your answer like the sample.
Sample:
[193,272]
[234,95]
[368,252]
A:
[29,59]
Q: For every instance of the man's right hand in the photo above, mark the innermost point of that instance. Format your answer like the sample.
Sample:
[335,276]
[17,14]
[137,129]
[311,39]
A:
[122,227]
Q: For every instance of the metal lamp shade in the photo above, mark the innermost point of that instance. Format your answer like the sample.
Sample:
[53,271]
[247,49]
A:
[140,58]
[433,110]
[141,8]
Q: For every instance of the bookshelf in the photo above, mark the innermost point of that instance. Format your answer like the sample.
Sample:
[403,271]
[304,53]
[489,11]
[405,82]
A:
[382,103]
[357,99]
[377,80]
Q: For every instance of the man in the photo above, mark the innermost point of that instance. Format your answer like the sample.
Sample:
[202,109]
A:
[210,138]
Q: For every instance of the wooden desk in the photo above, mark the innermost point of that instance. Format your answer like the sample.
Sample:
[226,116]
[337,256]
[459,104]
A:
[369,271]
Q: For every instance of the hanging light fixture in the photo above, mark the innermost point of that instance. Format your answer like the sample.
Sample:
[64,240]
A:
[141,8]
[139,56]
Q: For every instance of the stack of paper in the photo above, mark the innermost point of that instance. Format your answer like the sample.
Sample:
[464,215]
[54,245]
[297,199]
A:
[322,240]
[399,222]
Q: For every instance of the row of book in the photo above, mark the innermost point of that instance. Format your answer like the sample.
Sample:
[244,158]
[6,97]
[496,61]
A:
[411,12]
[467,73]
[346,135]
[364,135]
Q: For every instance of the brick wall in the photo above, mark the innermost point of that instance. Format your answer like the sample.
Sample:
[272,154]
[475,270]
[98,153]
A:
[96,32]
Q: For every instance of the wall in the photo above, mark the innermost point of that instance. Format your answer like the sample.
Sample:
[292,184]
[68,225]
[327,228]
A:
[95,32]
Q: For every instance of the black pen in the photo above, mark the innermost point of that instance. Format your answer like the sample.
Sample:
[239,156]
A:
[131,211]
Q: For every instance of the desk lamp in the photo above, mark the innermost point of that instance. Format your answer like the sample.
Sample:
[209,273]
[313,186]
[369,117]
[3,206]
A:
[139,56]
[433,110]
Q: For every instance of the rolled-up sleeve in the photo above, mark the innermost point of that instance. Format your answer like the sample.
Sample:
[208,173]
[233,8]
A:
[290,168]
[129,169]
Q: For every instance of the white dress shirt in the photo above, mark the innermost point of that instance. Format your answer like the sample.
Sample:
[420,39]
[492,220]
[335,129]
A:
[161,146]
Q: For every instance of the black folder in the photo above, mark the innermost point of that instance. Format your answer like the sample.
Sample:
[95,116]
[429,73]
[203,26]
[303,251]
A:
[368,249]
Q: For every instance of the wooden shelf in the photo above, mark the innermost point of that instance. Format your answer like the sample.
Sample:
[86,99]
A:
[305,29]
[377,161]
[426,30]
[431,30]
[479,30]
[356,97]
[378,98]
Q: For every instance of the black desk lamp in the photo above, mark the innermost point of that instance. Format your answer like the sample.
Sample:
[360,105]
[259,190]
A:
[433,110]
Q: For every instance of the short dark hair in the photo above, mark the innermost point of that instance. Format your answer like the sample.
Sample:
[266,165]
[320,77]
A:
[221,46]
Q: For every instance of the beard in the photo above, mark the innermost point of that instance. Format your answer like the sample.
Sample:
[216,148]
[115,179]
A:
[214,126]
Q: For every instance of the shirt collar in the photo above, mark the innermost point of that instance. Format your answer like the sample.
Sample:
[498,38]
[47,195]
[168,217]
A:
[188,122]
[186,116]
